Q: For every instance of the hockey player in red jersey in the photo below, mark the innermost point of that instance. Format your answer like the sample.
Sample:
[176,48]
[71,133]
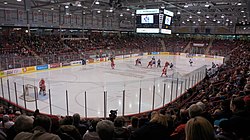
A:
[112,63]
[42,87]
[166,64]
[150,63]
[164,71]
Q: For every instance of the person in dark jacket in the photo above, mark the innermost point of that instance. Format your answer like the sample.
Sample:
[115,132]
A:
[120,130]
[156,129]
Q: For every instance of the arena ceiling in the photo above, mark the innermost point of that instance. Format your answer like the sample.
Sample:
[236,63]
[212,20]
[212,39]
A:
[188,12]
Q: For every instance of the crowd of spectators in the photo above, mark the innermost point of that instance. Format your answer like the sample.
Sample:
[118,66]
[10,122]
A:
[22,50]
[217,108]
[222,47]
[176,44]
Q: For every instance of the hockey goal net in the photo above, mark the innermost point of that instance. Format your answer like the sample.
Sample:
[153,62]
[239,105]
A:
[30,93]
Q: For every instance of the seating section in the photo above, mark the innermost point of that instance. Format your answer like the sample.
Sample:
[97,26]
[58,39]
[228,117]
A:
[223,47]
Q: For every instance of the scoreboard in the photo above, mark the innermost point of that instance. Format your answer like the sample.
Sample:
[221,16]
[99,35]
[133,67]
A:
[153,21]
[147,21]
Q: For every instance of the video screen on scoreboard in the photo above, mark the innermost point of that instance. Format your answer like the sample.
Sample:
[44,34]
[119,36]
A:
[167,21]
[147,21]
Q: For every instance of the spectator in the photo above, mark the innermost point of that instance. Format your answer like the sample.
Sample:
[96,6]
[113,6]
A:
[156,129]
[198,128]
[134,125]
[6,123]
[225,132]
[23,123]
[179,132]
[42,125]
[105,129]
[69,132]
[143,121]
[194,110]
[91,134]
[120,130]
[37,112]
[76,122]
[240,120]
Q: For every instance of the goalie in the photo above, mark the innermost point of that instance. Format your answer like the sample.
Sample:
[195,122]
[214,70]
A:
[42,87]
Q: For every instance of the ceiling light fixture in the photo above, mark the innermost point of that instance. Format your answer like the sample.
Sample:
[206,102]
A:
[214,19]
[242,11]
[205,22]
[52,8]
[39,10]
[207,4]
[18,0]
[194,22]
[190,16]
[132,14]
[79,4]
[178,13]
[98,11]
[121,15]
[66,6]
[186,5]
[239,3]
[231,22]
[199,12]
[227,19]
[199,19]
[222,16]
[128,9]
[97,2]
[5,2]
[218,21]
[207,16]
[188,20]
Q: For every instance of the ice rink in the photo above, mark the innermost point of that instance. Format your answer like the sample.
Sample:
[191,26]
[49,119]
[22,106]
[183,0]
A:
[99,77]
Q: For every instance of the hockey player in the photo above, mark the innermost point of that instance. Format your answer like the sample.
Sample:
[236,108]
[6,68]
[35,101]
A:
[150,63]
[171,66]
[190,62]
[164,72]
[84,61]
[213,65]
[42,87]
[158,63]
[112,63]
[137,61]
[166,64]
